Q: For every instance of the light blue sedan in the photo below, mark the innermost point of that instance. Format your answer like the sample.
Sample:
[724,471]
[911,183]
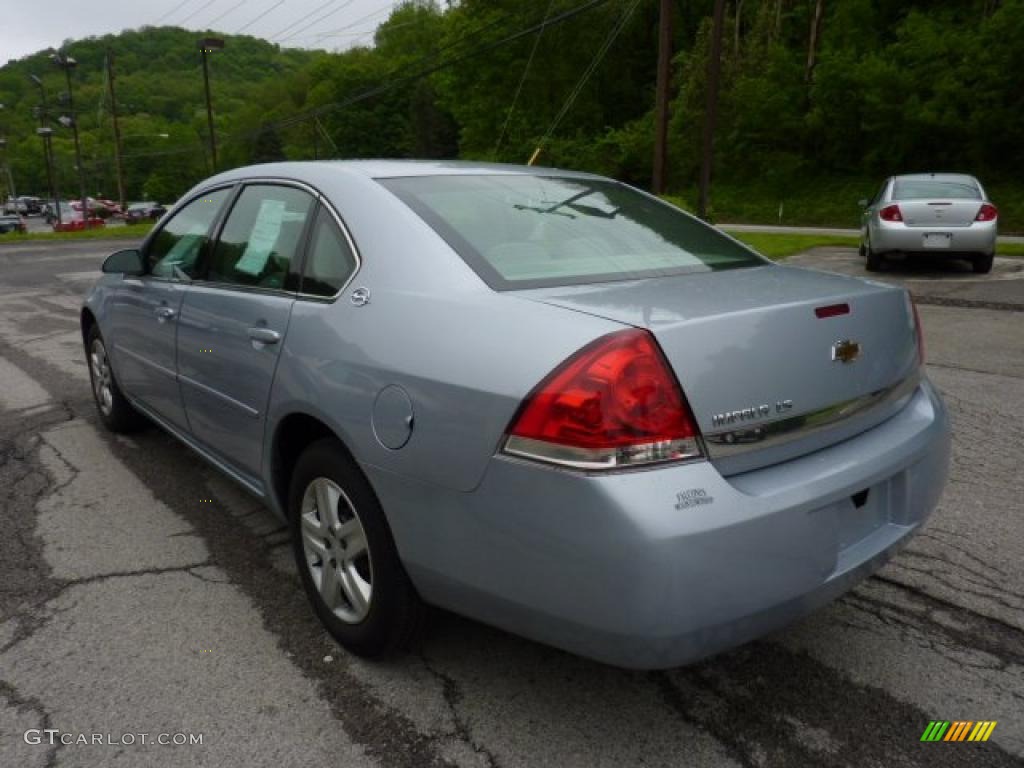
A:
[541,399]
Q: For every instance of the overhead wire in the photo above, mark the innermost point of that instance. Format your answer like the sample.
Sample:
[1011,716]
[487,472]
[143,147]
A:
[197,11]
[315,21]
[522,79]
[173,11]
[317,112]
[244,27]
[581,83]
[302,19]
[235,7]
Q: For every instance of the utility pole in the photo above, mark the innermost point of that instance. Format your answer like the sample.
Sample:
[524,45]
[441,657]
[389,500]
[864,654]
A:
[208,45]
[118,161]
[67,63]
[659,177]
[711,110]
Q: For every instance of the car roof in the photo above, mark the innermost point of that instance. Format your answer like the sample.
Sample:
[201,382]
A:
[387,169]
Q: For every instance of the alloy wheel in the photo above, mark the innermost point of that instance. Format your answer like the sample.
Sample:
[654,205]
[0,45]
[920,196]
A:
[102,378]
[336,550]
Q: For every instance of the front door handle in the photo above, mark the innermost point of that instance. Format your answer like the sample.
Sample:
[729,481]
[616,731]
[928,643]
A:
[264,335]
[164,313]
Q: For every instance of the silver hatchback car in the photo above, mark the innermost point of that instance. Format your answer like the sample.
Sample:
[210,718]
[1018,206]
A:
[941,215]
[541,399]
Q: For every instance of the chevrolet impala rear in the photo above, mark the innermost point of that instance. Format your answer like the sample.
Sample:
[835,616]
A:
[738,443]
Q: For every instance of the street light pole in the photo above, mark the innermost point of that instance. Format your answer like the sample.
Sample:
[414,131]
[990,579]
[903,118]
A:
[208,45]
[46,133]
[117,131]
[12,193]
[67,63]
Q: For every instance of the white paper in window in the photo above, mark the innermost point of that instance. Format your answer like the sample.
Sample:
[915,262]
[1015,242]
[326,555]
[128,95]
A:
[264,236]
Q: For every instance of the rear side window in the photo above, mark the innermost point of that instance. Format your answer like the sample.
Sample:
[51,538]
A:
[535,231]
[261,238]
[174,250]
[924,189]
[329,260]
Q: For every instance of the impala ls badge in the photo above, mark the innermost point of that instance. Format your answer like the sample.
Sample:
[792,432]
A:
[845,351]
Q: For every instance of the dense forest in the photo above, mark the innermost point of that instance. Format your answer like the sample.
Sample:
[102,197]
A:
[820,99]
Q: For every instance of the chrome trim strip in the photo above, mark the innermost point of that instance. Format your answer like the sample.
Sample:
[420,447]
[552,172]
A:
[769,434]
[249,411]
[630,457]
[254,488]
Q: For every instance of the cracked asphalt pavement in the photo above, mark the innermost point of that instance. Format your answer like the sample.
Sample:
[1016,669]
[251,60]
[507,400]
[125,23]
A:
[141,592]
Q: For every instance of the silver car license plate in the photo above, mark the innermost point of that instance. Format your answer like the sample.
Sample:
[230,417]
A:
[937,239]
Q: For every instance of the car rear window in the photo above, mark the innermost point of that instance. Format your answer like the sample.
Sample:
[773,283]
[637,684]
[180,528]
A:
[923,189]
[538,231]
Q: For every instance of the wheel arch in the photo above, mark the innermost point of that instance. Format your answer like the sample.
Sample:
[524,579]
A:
[87,320]
[292,434]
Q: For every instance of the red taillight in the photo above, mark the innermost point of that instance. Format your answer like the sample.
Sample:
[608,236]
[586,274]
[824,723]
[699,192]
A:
[918,333]
[890,213]
[987,212]
[614,403]
[832,310]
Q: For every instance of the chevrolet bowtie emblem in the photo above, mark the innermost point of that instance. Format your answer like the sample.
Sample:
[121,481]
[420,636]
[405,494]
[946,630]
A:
[845,351]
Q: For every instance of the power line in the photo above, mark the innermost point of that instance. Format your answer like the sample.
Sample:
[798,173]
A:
[197,11]
[300,20]
[214,20]
[315,21]
[358,21]
[519,88]
[313,114]
[591,68]
[246,26]
[173,11]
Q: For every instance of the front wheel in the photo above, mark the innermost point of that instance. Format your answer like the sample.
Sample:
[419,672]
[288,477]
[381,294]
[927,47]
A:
[346,556]
[115,411]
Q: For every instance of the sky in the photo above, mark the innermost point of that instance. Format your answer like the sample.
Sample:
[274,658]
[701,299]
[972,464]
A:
[27,27]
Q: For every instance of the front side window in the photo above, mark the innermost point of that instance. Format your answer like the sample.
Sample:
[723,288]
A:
[259,244]
[174,250]
[330,260]
[519,231]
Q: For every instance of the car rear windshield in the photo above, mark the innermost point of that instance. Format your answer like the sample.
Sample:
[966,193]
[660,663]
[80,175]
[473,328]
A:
[923,189]
[538,231]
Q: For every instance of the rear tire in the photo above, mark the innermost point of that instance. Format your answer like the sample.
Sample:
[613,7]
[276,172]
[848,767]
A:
[346,555]
[874,260]
[982,264]
[113,407]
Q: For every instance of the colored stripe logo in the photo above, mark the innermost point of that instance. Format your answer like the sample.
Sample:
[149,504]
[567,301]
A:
[958,730]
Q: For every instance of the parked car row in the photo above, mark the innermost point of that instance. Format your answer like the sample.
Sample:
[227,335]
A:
[25,205]
[12,223]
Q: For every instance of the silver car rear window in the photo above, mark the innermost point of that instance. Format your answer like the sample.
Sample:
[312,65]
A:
[537,231]
[924,189]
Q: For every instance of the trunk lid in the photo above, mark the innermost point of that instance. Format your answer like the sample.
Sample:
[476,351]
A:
[939,212]
[751,354]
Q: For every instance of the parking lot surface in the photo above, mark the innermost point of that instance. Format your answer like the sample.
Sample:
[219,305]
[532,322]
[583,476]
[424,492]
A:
[141,592]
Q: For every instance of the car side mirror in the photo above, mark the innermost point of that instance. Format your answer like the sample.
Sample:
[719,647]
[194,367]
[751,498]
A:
[127,262]
[863,203]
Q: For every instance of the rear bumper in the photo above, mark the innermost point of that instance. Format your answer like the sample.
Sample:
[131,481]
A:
[979,237]
[631,570]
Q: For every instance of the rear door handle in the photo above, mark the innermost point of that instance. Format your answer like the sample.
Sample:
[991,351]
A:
[264,335]
[164,313]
